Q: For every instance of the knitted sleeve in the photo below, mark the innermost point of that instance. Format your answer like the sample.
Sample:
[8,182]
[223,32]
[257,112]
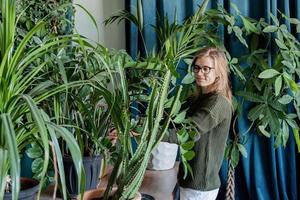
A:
[210,116]
[171,137]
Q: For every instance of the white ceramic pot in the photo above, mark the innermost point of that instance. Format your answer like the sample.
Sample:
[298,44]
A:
[163,157]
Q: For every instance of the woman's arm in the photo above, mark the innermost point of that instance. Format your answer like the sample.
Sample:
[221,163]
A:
[208,118]
[171,137]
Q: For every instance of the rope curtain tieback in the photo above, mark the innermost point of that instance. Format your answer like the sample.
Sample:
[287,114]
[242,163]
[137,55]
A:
[230,182]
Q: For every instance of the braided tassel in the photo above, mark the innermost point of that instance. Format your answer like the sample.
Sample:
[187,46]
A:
[230,183]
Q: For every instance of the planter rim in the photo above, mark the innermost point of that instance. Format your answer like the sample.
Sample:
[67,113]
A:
[85,158]
[23,192]
[100,191]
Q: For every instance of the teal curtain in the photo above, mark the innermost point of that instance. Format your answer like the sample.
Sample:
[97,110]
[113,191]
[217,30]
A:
[267,173]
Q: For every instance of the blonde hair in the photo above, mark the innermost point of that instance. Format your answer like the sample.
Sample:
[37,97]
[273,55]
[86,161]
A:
[222,82]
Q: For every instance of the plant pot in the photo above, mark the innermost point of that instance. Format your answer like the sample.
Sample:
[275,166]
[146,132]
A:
[92,167]
[163,157]
[97,194]
[29,188]
[104,168]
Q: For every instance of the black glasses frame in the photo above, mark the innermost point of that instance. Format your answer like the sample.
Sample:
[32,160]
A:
[204,69]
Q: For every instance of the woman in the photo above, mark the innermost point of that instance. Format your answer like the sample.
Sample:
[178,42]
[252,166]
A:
[211,111]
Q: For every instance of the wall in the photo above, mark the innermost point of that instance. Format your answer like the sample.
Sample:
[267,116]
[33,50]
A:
[111,36]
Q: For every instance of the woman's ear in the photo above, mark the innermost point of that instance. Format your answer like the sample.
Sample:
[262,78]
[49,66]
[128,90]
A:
[217,79]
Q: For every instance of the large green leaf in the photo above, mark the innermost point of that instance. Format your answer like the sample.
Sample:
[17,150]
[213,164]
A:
[281,44]
[180,117]
[278,85]
[297,138]
[242,149]
[263,131]
[235,155]
[285,133]
[269,73]
[188,145]
[239,34]
[249,26]
[251,96]
[255,112]
[270,29]
[285,99]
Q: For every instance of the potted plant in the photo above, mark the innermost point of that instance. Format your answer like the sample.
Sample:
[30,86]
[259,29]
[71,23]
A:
[130,166]
[29,188]
[91,123]
[87,117]
[183,40]
[22,119]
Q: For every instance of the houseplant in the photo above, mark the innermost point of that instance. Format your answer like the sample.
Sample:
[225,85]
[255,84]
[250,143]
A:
[177,42]
[130,166]
[181,40]
[22,119]
[270,81]
[59,21]
[83,111]
[258,76]
[269,84]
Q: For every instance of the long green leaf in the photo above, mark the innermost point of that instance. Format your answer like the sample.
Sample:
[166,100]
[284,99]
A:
[152,106]
[3,171]
[9,133]
[251,96]
[22,45]
[58,157]
[41,127]
[75,153]
[269,73]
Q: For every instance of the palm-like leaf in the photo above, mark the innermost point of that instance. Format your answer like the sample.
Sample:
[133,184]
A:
[130,168]
[21,119]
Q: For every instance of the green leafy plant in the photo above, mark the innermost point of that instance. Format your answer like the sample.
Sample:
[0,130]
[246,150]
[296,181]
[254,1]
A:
[179,42]
[81,109]
[22,119]
[271,85]
[130,167]
[274,85]
[59,21]
[162,108]
[58,16]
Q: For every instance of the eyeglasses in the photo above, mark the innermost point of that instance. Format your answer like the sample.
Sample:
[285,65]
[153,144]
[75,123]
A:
[204,69]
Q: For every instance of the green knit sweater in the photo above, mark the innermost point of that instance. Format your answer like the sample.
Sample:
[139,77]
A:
[212,115]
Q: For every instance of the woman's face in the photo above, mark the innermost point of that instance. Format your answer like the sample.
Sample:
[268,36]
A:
[204,72]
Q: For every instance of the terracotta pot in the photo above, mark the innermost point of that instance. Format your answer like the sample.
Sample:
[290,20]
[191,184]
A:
[29,188]
[97,194]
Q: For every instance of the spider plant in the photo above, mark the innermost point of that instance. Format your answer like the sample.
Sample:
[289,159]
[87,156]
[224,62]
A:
[22,120]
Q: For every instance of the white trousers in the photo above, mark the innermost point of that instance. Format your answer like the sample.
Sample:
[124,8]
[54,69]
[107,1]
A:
[190,194]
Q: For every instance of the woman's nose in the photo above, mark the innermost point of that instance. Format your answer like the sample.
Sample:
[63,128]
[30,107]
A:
[200,73]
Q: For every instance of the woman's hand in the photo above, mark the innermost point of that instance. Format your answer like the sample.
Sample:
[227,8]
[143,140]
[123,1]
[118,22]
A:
[135,134]
[113,135]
